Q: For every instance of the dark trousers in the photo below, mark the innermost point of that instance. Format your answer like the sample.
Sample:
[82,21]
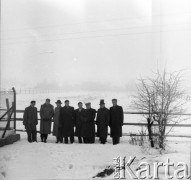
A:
[103,140]
[31,135]
[116,140]
[44,137]
[89,140]
[79,139]
[71,139]
[58,139]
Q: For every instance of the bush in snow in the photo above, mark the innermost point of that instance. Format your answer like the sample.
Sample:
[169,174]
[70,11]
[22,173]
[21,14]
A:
[160,97]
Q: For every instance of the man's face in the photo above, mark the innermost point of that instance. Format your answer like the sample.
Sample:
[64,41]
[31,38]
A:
[67,103]
[102,105]
[33,104]
[47,102]
[88,106]
[58,104]
[114,103]
[80,105]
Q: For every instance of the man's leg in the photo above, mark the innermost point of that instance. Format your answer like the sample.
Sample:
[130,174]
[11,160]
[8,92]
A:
[57,139]
[103,141]
[42,137]
[34,139]
[66,140]
[29,136]
[79,139]
[114,140]
[61,139]
[100,140]
[118,140]
[92,140]
[71,139]
[45,137]
[85,140]
[88,140]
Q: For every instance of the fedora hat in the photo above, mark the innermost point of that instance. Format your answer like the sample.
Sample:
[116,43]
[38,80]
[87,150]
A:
[101,101]
[58,101]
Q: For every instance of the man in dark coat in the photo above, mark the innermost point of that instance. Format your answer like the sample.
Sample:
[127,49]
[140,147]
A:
[88,125]
[116,122]
[56,121]
[102,122]
[46,114]
[66,122]
[30,120]
[79,115]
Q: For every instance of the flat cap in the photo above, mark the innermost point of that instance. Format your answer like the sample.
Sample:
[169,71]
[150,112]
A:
[87,103]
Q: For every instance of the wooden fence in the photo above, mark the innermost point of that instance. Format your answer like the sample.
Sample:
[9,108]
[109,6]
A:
[15,119]
[130,124]
[9,112]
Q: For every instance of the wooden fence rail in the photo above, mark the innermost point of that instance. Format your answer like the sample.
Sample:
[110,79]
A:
[126,124]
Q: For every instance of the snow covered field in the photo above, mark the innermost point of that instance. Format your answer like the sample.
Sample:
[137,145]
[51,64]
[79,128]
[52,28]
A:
[23,160]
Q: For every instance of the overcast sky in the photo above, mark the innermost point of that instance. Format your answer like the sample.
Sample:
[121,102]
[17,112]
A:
[92,42]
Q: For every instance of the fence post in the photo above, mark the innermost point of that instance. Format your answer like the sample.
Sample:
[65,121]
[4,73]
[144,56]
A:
[8,115]
[14,107]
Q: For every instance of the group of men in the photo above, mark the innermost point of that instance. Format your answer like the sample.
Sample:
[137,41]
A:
[69,122]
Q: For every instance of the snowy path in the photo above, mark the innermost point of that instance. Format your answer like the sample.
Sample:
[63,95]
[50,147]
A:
[60,161]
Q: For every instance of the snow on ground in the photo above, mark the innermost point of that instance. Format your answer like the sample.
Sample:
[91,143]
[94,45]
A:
[23,160]
[8,133]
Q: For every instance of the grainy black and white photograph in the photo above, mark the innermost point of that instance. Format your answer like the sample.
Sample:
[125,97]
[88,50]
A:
[95,89]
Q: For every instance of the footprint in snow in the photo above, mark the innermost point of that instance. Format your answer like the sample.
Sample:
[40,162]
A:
[70,166]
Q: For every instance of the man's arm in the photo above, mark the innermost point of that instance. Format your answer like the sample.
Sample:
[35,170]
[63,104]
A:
[52,112]
[94,115]
[60,119]
[25,117]
[97,117]
[122,116]
[36,117]
[107,117]
[41,113]
[110,117]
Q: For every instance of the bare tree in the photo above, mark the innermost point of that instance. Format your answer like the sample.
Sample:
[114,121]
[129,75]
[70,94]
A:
[160,97]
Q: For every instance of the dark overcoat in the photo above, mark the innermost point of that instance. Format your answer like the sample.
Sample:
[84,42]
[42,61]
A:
[66,121]
[88,124]
[46,114]
[56,122]
[79,117]
[102,122]
[116,121]
[30,118]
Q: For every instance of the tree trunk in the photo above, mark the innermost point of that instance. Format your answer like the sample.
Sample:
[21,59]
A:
[149,126]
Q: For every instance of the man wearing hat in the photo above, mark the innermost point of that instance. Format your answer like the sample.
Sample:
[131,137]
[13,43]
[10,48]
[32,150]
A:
[88,125]
[66,122]
[79,116]
[46,114]
[56,121]
[116,122]
[30,120]
[102,122]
